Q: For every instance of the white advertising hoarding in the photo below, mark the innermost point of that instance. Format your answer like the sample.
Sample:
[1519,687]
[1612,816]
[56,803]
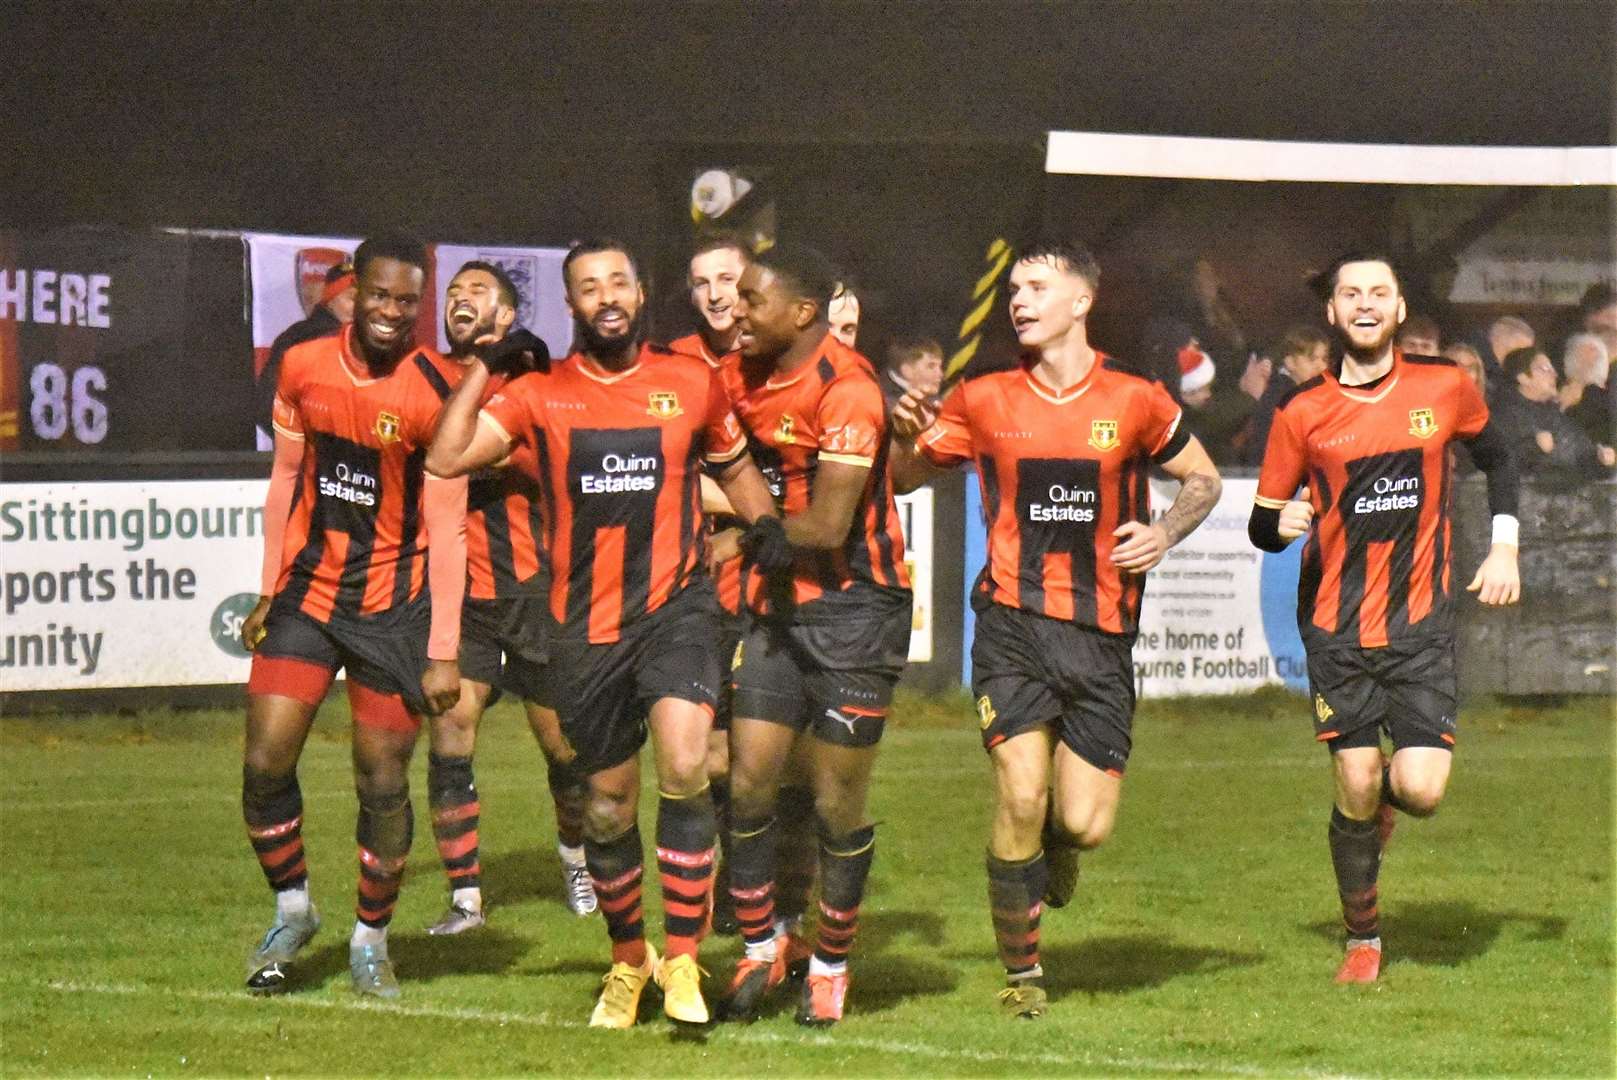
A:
[915,516]
[127,584]
[1219,616]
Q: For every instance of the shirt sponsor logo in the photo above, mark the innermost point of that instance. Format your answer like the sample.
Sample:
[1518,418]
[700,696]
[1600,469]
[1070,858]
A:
[1103,435]
[1400,493]
[620,473]
[664,405]
[1422,424]
[1067,503]
[387,427]
[349,485]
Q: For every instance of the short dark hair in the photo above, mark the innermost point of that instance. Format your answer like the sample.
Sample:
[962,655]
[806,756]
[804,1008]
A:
[907,350]
[507,287]
[594,246]
[1517,361]
[339,271]
[1067,255]
[1420,326]
[1325,281]
[395,246]
[1301,338]
[802,270]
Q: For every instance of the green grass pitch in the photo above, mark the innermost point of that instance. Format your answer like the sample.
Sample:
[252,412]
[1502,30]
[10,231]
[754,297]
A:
[1202,939]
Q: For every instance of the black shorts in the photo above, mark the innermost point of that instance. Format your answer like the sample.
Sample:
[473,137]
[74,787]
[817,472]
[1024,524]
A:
[1029,671]
[1407,690]
[832,680]
[506,644]
[605,692]
[387,655]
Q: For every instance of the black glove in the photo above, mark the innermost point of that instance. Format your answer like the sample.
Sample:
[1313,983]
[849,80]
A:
[765,545]
[517,353]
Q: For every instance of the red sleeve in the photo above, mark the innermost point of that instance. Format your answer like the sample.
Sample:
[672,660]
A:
[443,509]
[725,439]
[1471,409]
[1285,460]
[852,421]
[1161,419]
[510,413]
[284,415]
[948,441]
[278,504]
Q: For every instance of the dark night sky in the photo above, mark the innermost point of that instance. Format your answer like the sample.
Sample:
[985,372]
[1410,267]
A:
[518,120]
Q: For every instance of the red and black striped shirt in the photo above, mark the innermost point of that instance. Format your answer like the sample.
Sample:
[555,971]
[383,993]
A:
[617,456]
[505,555]
[355,542]
[829,409]
[728,582]
[1375,459]
[1060,471]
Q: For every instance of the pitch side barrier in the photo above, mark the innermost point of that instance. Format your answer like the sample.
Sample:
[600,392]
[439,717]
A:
[1219,616]
[125,578]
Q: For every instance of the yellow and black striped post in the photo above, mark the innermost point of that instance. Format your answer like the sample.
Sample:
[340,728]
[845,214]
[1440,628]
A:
[983,298]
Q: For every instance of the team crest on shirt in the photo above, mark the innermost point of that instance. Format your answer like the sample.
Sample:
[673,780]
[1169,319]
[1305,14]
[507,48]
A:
[664,405]
[387,427]
[784,433]
[1422,424]
[985,713]
[1103,434]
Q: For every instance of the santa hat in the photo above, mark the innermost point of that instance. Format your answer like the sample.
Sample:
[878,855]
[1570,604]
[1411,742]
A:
[1195,368]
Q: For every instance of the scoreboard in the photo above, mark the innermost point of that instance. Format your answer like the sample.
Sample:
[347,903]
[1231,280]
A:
[113,341]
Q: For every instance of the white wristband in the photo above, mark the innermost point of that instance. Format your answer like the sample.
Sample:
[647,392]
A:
[1506,530]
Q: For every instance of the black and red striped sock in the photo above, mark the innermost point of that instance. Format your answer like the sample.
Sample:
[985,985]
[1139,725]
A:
[686,833]
[1356,857]
[456,810]
[844,867]
[1015,900]
[386,825]
[616,867]
[272,807]
[752,880]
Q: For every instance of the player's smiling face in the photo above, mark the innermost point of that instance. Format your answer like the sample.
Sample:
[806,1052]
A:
[605,296]
[473,309]
[388,299]
[768,315]
[1365,306]
[714,277]
[1047,299]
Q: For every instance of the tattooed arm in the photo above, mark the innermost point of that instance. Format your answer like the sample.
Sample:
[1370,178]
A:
[1141,546]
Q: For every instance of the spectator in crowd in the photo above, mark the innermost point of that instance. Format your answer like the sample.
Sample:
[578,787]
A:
[1548,445]
[1506,334]
[333,311]
[1218,415]
[1305,352]
[844,313]
[1597,311]
[1470,361]
[1192,293]
[1586,392]
[913,364]
[1419,336]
